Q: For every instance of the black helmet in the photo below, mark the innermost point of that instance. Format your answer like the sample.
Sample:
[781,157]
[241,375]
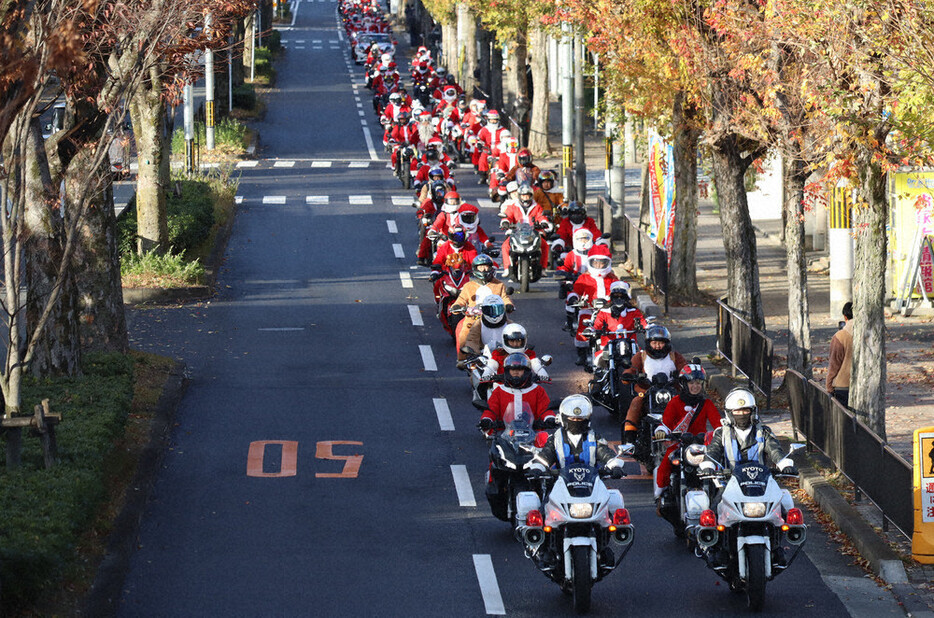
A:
[657,333]
[577,213]
[457,236]
[482,268]
[691,373]
[524,157]
[517,362]
[438,190]
[433,157]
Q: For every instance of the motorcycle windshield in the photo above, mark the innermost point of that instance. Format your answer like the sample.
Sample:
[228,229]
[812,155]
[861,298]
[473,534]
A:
[518,421]
[579,478]
[753,478]
[524,233]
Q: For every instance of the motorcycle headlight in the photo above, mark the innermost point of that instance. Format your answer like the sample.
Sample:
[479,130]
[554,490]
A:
[582,510]
[695,455]
[754,509]
[662,397]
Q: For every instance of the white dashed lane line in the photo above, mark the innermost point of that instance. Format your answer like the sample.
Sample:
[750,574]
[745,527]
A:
[406,279]
[247,163]
[401,200]
[361,200]
[393,228]
[428,358]
[415,315]
[320,164]
[398,251]
[284,164]
[274,199]
[444,414]
[462,485]
[489,587]
[361,164]
[317,199]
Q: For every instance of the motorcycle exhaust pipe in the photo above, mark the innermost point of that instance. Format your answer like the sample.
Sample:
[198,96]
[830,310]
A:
[707,537]
[796,535]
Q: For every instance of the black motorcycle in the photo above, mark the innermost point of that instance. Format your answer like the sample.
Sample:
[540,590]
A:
[661,389]
[607,388]
[511,450]
[525,253]
[686,497]
[403,169]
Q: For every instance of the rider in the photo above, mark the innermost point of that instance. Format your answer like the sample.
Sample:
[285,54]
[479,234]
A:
[456,243]
[575,262]
[657,357]
[590,286]
[524,210]
[487,332]
[575,441]
[548,195]
[469,217]
[483,282]
[427,211]
[515,341]
[518,388]
[576,219]
[619,315]
[743,438]
[524,170]
[689,412]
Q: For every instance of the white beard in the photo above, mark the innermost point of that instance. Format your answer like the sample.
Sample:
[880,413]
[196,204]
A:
[425,132]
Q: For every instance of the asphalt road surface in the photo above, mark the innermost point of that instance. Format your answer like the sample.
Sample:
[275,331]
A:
[325,459]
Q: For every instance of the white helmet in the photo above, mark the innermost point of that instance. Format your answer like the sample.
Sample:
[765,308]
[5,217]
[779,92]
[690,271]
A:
[739,399]
[599,261]
[493,310]
[514,332]
[575,411]
[582,241]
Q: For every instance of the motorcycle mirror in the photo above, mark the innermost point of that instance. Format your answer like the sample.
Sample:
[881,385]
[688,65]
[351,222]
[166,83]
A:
[841,324]
[606,236]
[588,322]
[588,332]
[510,291]
[687,437]
[546,359]
[540,439]
[492,238]
[659,378]
[650,319]
[468,350]
[797,446]
[695,360]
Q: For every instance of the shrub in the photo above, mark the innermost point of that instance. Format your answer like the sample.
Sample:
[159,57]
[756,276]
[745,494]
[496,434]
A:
[46,511]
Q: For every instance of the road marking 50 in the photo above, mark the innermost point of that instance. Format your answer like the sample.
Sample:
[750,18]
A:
[289,462]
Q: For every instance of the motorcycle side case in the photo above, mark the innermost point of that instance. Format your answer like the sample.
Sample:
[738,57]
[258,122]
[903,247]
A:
[526,501]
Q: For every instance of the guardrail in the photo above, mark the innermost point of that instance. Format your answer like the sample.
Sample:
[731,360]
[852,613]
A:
[863,457]
[649,260]
[748,349]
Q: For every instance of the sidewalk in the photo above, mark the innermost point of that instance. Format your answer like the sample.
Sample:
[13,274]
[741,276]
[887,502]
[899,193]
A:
[909,346]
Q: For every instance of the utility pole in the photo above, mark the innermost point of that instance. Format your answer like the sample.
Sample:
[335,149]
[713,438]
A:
[580,168]
[208,89]
[189,115]
[567,114]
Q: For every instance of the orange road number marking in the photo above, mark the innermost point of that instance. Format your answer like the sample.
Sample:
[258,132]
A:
[288,467]
[352,463]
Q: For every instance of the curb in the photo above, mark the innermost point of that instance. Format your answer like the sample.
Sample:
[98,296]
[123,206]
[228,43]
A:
[104,596]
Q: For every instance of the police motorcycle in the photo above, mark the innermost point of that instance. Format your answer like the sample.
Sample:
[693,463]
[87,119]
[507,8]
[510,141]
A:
[513,443]
[686,497]
[525,252]
[743,541]
[574,528]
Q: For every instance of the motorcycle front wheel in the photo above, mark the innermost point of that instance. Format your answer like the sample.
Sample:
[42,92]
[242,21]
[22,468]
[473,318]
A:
[524,276]
[581,582]
[755,577]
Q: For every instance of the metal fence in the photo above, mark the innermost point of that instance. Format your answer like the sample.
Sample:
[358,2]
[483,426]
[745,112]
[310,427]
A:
[862,456]
[649,260]
[748,349]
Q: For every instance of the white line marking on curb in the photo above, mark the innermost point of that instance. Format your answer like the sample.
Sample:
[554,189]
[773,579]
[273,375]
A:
[317,199]
[392,226]
[428,358]
[274,199]
[320,164]
[247,163]
[369,142]
[406,279]
[462,485]
[361,113]
[489,588]
[284,164]
[416,315]
[401,200]
[397,250]
[362,200]
[282,329]
[444,414]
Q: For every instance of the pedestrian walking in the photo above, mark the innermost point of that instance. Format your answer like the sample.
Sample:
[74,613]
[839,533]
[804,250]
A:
[841,358]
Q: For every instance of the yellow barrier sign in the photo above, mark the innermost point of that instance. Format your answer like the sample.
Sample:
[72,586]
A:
[922,541]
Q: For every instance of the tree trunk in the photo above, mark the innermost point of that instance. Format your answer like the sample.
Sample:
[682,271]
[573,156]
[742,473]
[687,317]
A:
[483,61]
[538,130]
[58,347]
[496,68]
[153,147]
[645,198]
[449,45]
[516,85]
[867,382]
[739,237]
[237,54]
[467,43]
[682,273]
[799,320]
[102,318]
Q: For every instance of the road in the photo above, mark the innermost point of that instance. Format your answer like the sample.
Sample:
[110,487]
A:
[325,459]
